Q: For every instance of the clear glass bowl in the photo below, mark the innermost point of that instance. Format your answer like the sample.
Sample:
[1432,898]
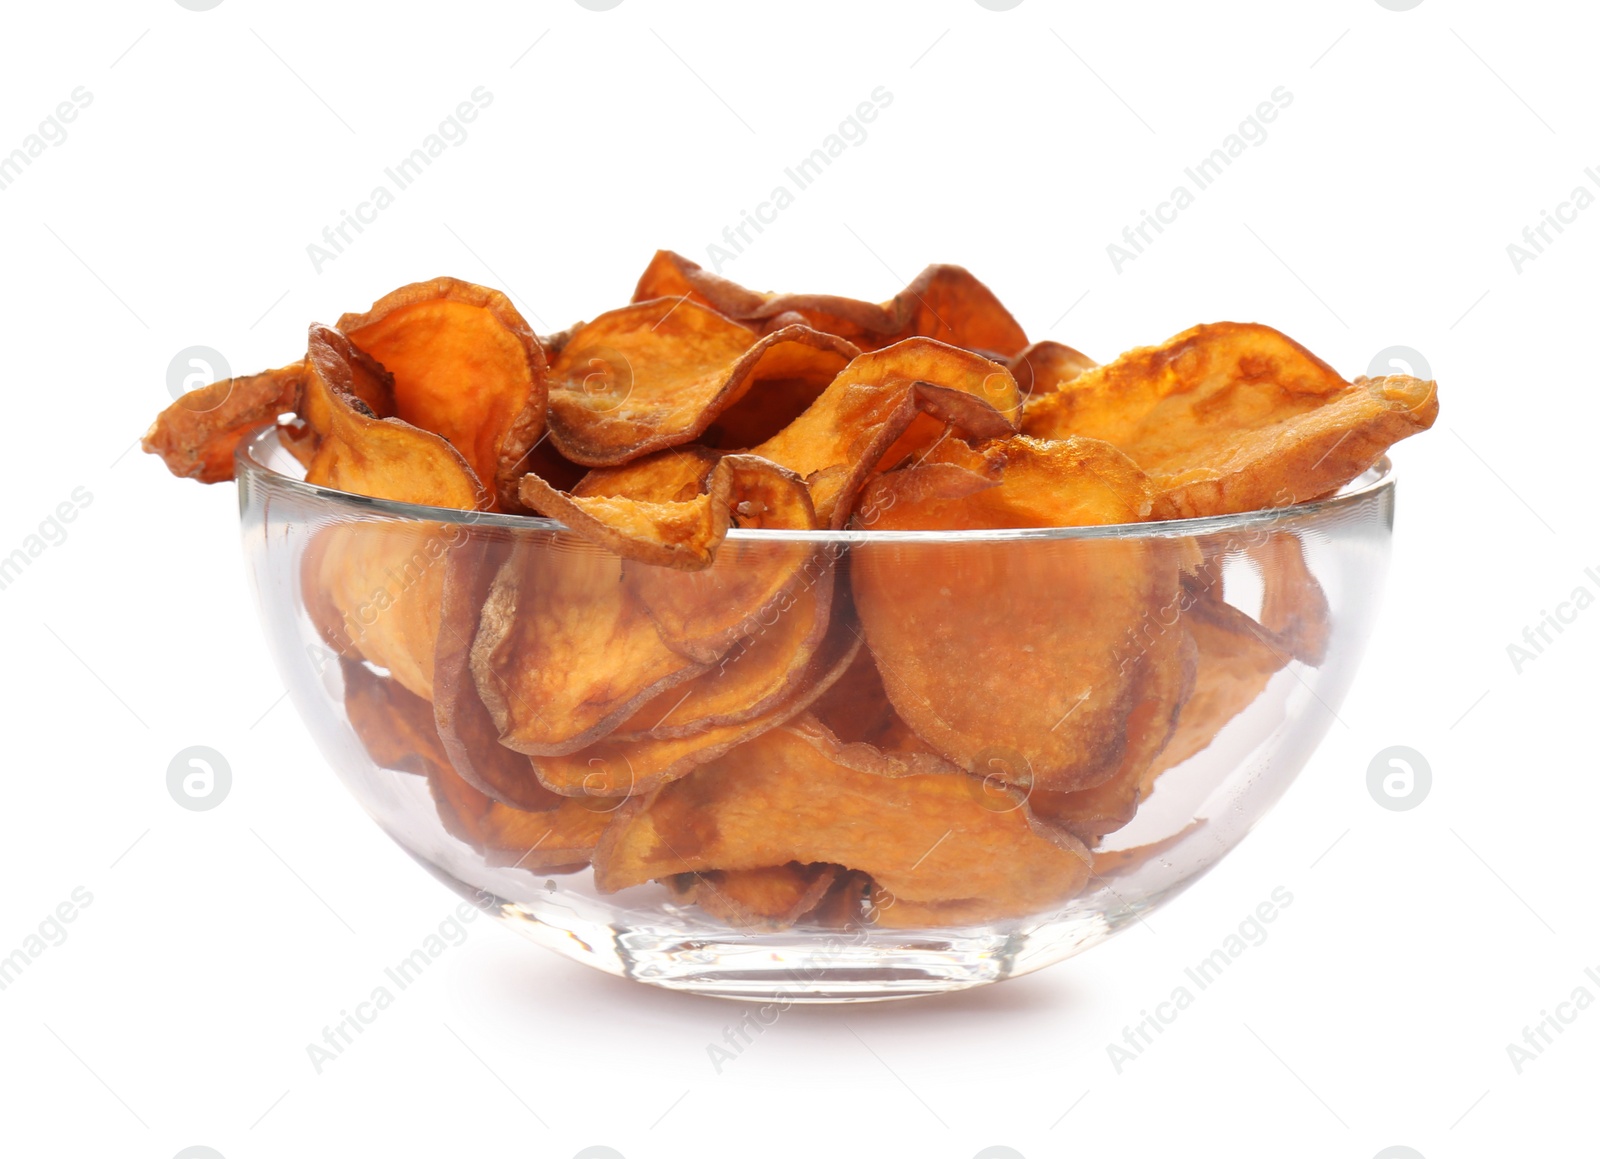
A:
[864,876]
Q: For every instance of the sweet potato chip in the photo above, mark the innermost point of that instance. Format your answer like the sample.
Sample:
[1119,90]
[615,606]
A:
[381,458]
[943,302]
[749,583]
[1047,366]
[1236,659]
[1232,417]
[680,533]
[657,374]
[563,653]
[1166,671]
[558,840]
[396,728]
[760,672]
[1294,608]
[466,728]
[466,367]
[196,435]
[618,768]
[771,898]
[943,846]
[1022,652]
[844,434]
[671,476]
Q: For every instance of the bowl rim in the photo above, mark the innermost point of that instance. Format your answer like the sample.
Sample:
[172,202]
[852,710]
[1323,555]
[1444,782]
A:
[250,463]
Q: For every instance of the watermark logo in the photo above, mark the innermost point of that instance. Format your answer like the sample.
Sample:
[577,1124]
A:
[1399,778]
[194,367]
[1003,780]
[1550,625]
[199,778]
[1399,360]
[607,378]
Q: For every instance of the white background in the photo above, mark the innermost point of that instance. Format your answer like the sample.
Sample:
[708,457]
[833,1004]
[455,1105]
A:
[177,212]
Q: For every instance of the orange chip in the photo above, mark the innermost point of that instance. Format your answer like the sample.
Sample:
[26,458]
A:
[943,302]
[563,653]
[618,768]
[771,898]
[196,435]
[1166,674]
[1236,659]
[394,726]
[1294,608]
[1232,417]
[558,840]
[373,588]
[397,730]
[760,672]
[657,374]
[943,845]
[1047,366]
[671,476]
[381,458]
[678,533]
[466,728]
[844,434]
[466,367]
[1021,652]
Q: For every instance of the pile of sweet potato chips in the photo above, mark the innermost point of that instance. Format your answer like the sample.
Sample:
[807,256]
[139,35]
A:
[914,730]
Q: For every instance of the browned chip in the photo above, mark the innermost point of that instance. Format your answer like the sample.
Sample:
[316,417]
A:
[844,434]
[563,653]
[678,533]
[1232,417]
[1236,659]
[1166,674]
[672,476]
[1021,654]
[1046,366]
[558,840]
[196,435]
[618,768]
[466,728]
[396,728]
[771,898]
[1294,608]
[657,374]
[763,670]
[943,302]
[923,838]
[466,367]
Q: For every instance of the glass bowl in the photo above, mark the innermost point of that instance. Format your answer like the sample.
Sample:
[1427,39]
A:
[934,760]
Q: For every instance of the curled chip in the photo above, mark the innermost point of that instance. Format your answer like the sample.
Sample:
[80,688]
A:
[852,426]
[1047,366]
[1232,417]
[658,373]
[466,367]
[760,672]
[673,509]
[196,435]
[563,653]
[942,847]
[618,767]
[396,727]
[373,588]
[1166,674]
[466,728]
[1236,658]
[384,458]
[773,898]
[1028,648]
[943,302]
